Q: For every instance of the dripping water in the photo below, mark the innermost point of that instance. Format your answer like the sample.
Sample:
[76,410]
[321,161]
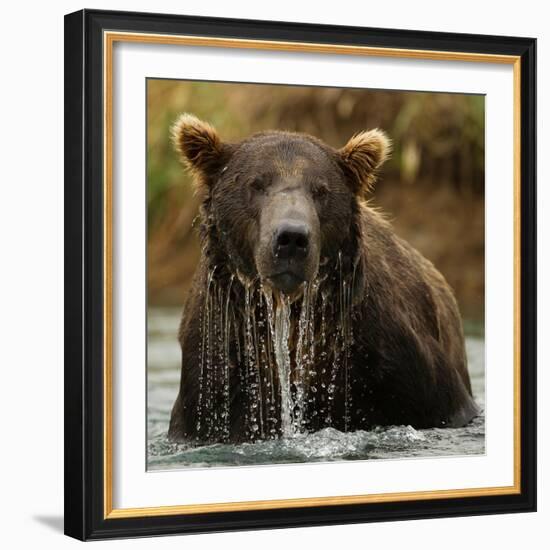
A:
[305,352]
[278,346]
[225,366]
[281,336]
[204,348]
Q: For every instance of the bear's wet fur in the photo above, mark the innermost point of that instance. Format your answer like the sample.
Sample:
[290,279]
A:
[386,334]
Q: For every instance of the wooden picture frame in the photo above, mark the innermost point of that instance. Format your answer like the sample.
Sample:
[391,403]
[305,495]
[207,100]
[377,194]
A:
[89,39]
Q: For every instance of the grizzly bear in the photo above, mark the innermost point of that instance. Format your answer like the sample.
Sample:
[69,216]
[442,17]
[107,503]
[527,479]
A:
[306,310]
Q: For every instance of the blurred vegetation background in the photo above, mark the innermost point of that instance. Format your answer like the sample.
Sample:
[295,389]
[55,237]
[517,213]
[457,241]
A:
[432,188]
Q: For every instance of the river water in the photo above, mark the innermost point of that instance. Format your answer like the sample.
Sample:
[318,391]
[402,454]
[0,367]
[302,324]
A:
[163,373]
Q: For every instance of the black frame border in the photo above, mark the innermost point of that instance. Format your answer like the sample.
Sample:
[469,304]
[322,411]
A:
[84,231]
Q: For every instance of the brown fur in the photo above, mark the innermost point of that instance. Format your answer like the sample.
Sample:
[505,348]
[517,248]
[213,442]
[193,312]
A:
[364,153]
[406,363]
[199,146]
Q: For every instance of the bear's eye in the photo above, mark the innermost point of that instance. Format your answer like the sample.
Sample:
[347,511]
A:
[320,190]
[259,184]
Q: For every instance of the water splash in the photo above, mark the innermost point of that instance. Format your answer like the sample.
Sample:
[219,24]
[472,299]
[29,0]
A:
[326,445]
[399,442]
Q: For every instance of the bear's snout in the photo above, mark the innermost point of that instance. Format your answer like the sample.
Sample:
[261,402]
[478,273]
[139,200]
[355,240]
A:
[287,253]
[291,241]
[290,253]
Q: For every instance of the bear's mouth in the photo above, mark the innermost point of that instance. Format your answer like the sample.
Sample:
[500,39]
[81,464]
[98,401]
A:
[286,281]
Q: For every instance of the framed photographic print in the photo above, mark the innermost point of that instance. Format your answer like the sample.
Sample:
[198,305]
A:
[300,274]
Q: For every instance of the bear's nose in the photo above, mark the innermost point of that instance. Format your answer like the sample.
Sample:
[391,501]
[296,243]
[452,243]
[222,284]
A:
[291,241]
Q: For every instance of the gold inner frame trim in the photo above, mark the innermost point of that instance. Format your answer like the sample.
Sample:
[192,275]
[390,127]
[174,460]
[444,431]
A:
[109,39]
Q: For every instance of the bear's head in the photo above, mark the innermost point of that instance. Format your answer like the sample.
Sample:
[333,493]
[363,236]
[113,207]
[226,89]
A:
[279,206]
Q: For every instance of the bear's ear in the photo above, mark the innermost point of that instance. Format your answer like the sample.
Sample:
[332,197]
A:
[200,147]
[362,155]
